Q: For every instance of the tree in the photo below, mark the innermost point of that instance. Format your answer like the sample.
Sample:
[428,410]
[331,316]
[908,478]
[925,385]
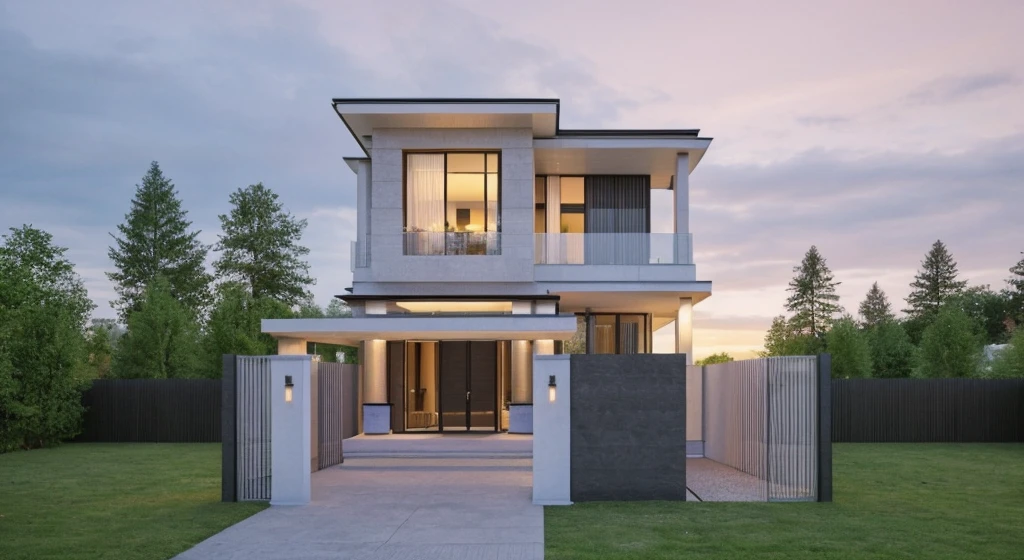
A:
[719,358]
[814,299]
[875,308]
[234,326]
[337,309]
[1010,362]
[934,284]
[1015,292]
[260,247]
[155,241]
[950,345]
[783,340]
[162,340]
[989,310]
[851,355]
[892,353]
[43,311]
[99,348]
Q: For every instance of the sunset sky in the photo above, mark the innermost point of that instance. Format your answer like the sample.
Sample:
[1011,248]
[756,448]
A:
[869,129]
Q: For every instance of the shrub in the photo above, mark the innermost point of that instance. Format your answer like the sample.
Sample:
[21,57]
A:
[851,356]
[950,346]
[892,353]
[1010,362]
[719,358]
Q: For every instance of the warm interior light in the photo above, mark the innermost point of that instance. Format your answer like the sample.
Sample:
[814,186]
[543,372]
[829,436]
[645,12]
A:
[551,388]
[288,385]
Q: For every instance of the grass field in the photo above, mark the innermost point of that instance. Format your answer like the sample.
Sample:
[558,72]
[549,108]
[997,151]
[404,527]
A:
[124,501]
[935,501]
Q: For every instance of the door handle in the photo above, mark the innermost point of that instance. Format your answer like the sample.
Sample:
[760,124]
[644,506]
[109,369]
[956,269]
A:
[467,396]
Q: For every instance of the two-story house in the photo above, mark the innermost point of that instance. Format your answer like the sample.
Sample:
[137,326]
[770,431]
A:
[486,234]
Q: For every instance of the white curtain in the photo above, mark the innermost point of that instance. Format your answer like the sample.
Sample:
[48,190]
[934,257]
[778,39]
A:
[425,193]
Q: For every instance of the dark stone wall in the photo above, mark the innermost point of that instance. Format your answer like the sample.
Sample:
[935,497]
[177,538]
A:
[628,427]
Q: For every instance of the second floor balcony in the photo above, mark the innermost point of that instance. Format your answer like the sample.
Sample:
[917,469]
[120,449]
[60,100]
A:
[613,248]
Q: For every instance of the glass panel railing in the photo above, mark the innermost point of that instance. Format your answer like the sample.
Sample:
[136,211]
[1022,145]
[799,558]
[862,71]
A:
[613,248]
[452,243]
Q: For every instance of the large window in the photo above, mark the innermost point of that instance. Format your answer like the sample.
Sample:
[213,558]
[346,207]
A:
[452,203]
[609,333]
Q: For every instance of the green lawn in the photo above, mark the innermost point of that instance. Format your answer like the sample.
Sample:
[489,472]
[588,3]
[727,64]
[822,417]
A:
[891,501]
[123,501]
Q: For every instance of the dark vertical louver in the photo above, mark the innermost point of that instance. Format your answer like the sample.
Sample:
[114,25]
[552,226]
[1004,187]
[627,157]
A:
[396,384]
[617,204]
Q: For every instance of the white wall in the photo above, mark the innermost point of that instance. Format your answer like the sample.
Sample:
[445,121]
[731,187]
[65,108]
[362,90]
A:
[290,431]
[551,431]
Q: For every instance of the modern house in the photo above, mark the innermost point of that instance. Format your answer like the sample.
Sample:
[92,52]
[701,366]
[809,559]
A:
[487,234]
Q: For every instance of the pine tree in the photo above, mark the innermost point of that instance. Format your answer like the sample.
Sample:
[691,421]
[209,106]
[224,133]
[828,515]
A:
[1016,292]
[814,299]
[875,308]
[782,340]
[935,283]
[260,247]
[155,241]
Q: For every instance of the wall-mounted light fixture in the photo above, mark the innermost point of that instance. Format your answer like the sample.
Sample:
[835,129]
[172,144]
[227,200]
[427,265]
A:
[288,385]
[551,388]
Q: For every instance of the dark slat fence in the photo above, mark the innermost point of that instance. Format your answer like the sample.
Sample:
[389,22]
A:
[152,410]
[927,410]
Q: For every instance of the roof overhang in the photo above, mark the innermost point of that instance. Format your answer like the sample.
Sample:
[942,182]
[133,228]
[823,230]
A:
[352,330]
[633,154]
[362,116]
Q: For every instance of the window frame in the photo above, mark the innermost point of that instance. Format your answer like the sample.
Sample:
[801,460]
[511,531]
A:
[485,153]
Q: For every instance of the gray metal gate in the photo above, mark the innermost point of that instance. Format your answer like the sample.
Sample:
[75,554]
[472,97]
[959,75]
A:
[330,413]
[253,427]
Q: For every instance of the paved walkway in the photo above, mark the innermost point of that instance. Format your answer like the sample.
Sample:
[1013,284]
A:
[714,482]
[397,508]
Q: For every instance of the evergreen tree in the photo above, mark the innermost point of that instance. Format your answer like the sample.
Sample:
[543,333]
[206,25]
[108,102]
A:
[875,308]
[892,353]
[814,301]
[851,355]
[1015,293]
[43,310]
[155,241]
[950,346]
[162,339]
[234,326]
[783,340]
[260,247]
[935,283]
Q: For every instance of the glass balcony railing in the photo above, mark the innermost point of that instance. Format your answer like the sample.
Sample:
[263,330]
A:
[452,243]
[613,248]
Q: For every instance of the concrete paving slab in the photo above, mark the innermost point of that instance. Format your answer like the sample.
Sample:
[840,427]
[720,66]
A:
[398,508]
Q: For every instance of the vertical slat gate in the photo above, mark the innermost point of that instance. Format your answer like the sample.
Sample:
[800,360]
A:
[253,428]
[331,413]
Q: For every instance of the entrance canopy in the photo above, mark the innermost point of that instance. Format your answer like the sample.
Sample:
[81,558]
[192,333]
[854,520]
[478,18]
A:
[352,330]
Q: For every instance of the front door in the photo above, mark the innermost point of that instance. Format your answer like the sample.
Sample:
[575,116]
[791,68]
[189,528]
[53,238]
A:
[468,385]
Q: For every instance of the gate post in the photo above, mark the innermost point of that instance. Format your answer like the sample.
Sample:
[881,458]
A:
[824,427]
[291,407]
[228,420]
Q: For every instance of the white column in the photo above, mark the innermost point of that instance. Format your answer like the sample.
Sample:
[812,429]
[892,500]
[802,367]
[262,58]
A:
[681,194]
[376,411]
[363,201]
[290,430]
[684,329]
[551,435]
[290,346]
[520,410]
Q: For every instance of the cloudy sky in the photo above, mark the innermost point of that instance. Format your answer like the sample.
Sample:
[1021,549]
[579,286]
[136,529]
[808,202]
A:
[867,128]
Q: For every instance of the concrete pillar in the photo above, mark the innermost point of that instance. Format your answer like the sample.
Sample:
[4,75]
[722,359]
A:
[291,346]
[681,194]
[684,329]
[291,433]
[363,201]
[551,456]
[544,347]
[520,413]
[376,410]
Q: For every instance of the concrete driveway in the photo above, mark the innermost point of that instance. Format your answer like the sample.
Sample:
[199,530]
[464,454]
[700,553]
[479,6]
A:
[397,508]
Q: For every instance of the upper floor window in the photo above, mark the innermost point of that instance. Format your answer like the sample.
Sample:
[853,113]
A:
[452,203]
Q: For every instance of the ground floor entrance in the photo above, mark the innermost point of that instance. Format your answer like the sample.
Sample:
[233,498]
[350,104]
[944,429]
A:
[449,386]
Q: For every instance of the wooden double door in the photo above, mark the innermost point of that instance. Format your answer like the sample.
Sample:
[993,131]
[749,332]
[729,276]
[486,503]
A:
[466,397]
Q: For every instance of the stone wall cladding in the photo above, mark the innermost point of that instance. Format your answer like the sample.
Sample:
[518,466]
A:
[628,427]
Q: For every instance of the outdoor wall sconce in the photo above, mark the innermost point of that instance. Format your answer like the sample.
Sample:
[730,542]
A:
[551,388]
[288,385]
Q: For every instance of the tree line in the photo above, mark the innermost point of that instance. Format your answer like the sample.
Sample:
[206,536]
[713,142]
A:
[175,319]
[944,331]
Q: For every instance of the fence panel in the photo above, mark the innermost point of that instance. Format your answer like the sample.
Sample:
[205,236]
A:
[734,416]
[152,411]
[927,410]
[792,431]
[331,411]
[253,428]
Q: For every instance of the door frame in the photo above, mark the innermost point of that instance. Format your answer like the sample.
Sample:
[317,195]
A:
[468,428]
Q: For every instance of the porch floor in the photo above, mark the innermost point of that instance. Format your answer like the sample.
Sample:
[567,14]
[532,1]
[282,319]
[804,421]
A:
[425,444]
